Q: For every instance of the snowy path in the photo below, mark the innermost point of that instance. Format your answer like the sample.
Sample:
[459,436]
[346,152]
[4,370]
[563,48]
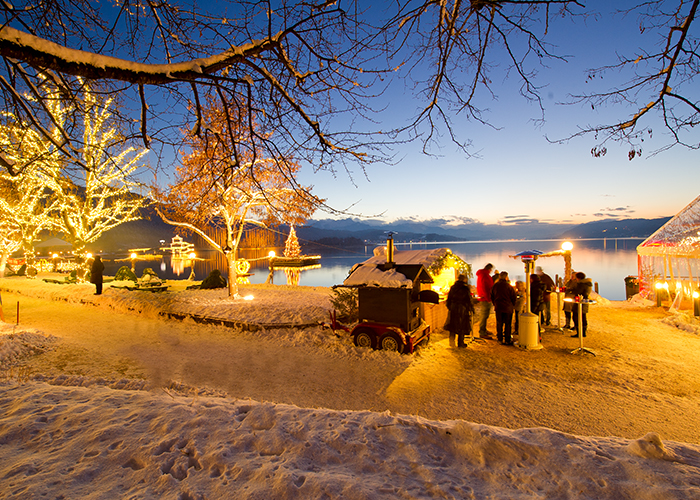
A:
[625,391]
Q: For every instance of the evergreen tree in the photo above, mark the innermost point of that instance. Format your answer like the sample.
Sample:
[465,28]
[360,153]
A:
[291,246]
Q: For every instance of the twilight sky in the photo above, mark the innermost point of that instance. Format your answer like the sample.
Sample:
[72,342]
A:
[515,173]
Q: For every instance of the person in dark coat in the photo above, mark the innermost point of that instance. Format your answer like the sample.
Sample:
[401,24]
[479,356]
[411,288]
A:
[536,295]
[569,296]
[584,287]
[96,274]
[503,297]
[520,304]
[548,286]
[460,307]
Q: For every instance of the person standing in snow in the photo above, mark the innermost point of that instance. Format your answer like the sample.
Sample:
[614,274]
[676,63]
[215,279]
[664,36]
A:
[484,284]
[548,287]
[96,274]
[503,297]
[536,294]
[520,303]
[583,289]
[569,293]
[460,307]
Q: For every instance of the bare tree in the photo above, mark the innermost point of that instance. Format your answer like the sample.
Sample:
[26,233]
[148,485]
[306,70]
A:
[314,72]
[286,63]
[308,70]
[662,83]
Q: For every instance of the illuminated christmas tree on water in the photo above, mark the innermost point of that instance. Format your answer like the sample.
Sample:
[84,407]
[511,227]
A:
[291,246]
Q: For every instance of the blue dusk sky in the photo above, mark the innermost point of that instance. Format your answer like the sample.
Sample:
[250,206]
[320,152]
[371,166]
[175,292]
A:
[514,173]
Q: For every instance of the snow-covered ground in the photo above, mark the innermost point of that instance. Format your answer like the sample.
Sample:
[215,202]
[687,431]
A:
[102,397]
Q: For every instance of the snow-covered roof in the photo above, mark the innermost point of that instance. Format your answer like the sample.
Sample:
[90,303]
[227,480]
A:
[369,272]
[423,257]
[371,275]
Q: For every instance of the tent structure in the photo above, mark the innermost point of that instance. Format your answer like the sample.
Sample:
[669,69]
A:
[53,245]
[669,259]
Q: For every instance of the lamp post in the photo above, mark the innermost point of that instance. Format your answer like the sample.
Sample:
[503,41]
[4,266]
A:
[528,323]
[696,303]
[133,262]
[55,256]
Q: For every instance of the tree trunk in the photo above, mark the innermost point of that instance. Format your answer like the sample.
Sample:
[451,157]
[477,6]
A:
[3,263]
[232,275]
[80,259]
[29,258]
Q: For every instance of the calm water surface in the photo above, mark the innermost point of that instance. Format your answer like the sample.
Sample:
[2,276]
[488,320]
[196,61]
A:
[605,261]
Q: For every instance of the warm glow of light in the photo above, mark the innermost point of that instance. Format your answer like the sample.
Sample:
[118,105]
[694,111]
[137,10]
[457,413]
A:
[443,281]
[133,255]
[89,256]
[248,297]
[55,256]
[696,294]
[193,255]
[567,246]
[271,254]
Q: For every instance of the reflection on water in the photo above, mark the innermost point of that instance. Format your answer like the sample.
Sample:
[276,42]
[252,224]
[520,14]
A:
[606,261]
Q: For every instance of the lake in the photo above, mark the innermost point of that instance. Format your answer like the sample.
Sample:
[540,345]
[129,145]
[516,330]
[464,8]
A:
[606,261]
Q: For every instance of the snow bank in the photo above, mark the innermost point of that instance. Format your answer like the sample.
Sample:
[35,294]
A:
[100,443]
[270,304]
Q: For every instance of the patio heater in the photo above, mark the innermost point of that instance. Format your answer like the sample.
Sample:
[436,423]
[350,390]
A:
[528,323]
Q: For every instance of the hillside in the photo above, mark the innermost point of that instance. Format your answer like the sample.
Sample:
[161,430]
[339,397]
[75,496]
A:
[628,228]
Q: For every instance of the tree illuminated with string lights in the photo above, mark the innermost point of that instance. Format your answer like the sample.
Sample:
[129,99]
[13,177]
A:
[225,183]
[103,195]
[47,191]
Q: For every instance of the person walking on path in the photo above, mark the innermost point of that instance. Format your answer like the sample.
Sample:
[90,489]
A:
[503,297]
[460,307]
[98,268]
[548,287]
[583,289]
[484,284]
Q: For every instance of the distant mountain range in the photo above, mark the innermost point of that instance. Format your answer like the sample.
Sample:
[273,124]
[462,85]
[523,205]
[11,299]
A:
[148,232]
[450,230]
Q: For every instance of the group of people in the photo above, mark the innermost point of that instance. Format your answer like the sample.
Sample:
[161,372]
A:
[577,287]
[495,292]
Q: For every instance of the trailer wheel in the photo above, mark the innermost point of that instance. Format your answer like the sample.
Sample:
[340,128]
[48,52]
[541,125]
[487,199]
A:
[391,341]
[365,337]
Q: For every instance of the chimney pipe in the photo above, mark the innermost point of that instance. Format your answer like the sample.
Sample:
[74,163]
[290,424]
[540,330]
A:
[390,251]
